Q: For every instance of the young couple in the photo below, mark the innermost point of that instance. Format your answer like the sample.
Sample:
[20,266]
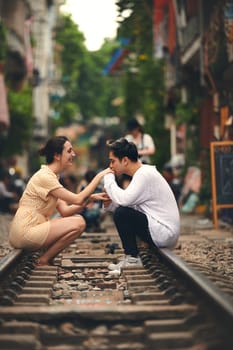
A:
[145,208]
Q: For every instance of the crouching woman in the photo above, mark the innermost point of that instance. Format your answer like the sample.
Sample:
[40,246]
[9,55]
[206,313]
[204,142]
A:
[33,227]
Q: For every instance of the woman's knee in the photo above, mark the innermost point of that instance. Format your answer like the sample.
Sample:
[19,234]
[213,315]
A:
[80,224]
[76,224]
[76,230]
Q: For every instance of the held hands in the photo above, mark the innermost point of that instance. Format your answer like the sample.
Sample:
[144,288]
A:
[102,196]
[105,199]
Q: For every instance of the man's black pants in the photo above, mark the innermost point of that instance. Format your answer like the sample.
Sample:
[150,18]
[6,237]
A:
[131,223]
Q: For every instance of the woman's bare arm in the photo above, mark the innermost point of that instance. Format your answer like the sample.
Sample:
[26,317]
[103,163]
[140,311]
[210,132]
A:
[68,210]
[81,197]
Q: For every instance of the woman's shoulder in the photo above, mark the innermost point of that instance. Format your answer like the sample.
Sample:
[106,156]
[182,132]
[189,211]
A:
[44,176]
[46,171]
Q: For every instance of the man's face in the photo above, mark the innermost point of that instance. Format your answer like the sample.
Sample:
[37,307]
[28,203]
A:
[117,165]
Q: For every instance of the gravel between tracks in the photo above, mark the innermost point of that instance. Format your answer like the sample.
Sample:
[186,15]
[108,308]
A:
[199,243]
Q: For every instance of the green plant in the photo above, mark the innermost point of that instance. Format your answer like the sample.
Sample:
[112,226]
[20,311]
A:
[21,123]
[187,112]
[3,43]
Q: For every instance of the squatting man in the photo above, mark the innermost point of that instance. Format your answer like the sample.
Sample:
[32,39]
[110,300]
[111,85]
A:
[145,208]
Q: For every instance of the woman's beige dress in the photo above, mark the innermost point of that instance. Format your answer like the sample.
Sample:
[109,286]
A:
[30,226]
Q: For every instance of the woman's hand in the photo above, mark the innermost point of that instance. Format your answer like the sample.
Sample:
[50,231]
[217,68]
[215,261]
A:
[67,210]
[102,196]
[105,171]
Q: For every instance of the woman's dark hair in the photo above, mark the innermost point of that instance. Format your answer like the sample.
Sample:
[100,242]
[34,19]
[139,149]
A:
[133,124]
[123,148]
[53,146]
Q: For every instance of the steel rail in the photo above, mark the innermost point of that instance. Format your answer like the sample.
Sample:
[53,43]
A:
[8,259]
[204,284]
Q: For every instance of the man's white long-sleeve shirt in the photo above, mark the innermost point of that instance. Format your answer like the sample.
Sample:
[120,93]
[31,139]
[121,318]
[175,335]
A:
[149,193]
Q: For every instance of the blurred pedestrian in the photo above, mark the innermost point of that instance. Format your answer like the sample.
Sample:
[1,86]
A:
[144,142]
[93,210]
[8,197]
[145,208]
[18,183]
[32,227]
[69,181]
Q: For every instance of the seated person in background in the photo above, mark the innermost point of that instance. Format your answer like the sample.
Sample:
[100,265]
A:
[92,211]
[8,198]
[190,191]
[144,142]
[146,208]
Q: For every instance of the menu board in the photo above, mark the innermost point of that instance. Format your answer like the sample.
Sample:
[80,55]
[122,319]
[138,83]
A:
[221,153]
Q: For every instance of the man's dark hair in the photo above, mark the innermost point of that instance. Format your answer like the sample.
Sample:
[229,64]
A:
[123,148]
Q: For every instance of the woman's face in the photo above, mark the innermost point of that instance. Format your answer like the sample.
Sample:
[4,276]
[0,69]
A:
[67,155]
[135,132]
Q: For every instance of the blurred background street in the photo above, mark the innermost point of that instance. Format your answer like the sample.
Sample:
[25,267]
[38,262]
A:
[168,64]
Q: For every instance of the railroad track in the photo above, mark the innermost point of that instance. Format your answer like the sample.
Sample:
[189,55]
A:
[165,304]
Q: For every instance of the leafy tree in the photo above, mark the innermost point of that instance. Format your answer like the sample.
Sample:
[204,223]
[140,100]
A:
[144,80]
[70,43]
[87,91]
[3,46]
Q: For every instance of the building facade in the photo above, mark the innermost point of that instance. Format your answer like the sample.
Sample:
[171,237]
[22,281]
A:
[26,55]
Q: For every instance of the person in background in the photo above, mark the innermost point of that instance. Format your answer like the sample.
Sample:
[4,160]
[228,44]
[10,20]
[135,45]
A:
[33,227]
[69,181]
[8,197]
[189,195]
[18,183]
[93,210]
[145,208]
[144,142]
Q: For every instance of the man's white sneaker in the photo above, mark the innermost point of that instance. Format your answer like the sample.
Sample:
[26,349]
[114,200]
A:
[126,262]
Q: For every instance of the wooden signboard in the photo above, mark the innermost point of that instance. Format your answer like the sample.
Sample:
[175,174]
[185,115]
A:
[221,161]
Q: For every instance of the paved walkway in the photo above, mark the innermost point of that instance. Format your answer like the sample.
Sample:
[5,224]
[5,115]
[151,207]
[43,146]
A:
[194,224]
